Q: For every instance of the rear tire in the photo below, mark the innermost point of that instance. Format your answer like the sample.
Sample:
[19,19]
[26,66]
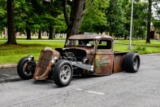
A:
[131,62]
[26,68]
[62,73]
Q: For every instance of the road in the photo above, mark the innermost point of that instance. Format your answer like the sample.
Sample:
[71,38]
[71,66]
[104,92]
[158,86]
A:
[141,89]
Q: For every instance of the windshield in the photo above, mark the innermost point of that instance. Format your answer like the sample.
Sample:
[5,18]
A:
[87,43]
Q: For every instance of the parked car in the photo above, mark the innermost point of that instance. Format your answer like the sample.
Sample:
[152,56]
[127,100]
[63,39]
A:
[82,55]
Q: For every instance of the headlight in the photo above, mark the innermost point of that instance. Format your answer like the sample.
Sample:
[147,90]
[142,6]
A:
[31,58]
[54,59]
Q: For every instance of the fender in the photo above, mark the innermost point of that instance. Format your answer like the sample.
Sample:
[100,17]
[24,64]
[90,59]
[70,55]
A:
[47,59]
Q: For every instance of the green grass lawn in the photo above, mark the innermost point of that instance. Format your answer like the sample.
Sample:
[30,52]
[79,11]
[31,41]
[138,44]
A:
[140,45]
[13,53]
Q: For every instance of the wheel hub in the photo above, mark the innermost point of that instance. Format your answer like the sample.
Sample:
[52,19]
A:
[65,73]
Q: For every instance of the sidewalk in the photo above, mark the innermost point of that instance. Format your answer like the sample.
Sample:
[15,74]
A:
[8,73]
[8,66]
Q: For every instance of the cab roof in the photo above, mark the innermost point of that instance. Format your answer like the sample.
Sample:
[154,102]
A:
[91,36]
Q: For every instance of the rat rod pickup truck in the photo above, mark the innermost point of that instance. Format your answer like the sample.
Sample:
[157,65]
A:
[81,55]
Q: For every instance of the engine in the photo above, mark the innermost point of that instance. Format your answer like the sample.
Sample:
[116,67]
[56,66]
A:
[69,56]
[72,54]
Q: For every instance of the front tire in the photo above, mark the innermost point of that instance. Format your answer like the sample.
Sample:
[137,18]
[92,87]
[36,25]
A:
[62,73]
[131,62]
[26,68]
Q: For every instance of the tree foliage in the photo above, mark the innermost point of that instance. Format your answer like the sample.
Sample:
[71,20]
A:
[73,12]
[140,18]
[156,16]
[3,14]
[118,17]
[115,18]
[95,18]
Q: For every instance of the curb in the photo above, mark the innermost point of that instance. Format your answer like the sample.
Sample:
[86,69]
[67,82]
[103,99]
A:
[11,79]
[8,66]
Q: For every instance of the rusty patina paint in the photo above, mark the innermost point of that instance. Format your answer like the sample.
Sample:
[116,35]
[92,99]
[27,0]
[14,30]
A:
[91,36]
[44,63]
[102,59]
[103,63]
[118,61]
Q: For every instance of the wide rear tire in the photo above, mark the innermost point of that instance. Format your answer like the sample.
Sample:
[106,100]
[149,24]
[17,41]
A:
[26,68]
[62,73]
[131,62]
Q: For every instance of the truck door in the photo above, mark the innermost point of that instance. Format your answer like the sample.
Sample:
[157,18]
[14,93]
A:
[103,61]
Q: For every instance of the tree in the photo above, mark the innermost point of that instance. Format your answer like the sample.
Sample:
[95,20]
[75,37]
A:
[140,18]
[95,18]
[126,8]
[73,12]
[3,14]
[54,10]
[156,24]
[149,20]
[24,17]
[10,17]
[115,18]
[49,16]
[156,9]
[156,16]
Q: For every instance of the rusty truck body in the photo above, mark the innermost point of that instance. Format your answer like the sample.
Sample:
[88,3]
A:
[81,55]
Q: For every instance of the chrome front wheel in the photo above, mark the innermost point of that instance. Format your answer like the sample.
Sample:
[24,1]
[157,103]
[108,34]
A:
[65,73]
[62,73]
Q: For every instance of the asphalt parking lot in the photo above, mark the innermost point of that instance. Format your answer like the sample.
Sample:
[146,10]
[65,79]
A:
[123,89]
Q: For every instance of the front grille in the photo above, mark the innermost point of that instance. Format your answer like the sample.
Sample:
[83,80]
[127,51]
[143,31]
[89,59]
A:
[43,62]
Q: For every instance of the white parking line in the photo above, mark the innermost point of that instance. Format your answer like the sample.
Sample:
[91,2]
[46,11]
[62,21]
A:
[92,92]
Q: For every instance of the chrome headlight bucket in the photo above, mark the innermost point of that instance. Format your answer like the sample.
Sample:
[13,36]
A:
[31,58]
[54,60]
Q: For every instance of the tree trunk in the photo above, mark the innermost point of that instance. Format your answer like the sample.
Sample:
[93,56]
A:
[149,20]
[28,32]
[54,33]
[110,29]
[125,37]
[10,18]
[39,35]
[50,32]
[76,16]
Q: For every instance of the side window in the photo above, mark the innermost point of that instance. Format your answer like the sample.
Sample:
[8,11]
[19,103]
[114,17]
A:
[88,43]
[83,42]
[104,44]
